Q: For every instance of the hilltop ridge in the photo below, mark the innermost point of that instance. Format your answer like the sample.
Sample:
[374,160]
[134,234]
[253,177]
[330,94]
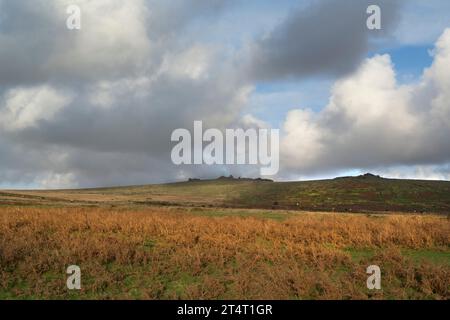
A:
[230,178]
[364,193]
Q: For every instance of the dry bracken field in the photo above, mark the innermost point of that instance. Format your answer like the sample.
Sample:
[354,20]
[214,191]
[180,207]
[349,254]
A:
[185,253]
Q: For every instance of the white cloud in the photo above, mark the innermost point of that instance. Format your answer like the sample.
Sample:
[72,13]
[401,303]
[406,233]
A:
[193,62]
[25,107]
[112,39]
[370,120]
[421,172]
[250,121]
[57,181]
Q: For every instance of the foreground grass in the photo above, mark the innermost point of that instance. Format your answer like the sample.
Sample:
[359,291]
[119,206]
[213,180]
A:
[166,253]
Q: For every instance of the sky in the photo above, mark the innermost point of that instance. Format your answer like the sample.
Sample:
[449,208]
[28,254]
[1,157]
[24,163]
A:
[96,106]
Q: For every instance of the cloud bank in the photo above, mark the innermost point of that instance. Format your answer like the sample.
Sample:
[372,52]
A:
[372,121]
[97,106]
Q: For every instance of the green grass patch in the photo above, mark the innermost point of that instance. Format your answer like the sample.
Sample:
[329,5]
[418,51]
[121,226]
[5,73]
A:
[359,254]
[274,215]
[178,286]
[439,257]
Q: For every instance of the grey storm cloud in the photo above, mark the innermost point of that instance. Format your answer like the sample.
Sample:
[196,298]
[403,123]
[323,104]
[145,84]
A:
[97,106]
[326,38]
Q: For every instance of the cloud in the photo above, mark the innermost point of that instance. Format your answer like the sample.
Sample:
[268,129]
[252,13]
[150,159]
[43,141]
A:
[326,38]
[372,121]
[107,96]
[36,46]
[97,106]
[24,108]
[117,38]
[420,172]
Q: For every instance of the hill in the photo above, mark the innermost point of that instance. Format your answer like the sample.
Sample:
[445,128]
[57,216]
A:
[228,238]
[366,193]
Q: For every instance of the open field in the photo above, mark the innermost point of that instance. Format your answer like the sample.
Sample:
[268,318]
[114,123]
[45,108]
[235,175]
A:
[211,253]
[352,194]
[229,239]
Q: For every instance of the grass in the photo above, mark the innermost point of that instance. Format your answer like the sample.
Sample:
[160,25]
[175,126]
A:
[358,255]
[192,253]
[264,214]
[439,257]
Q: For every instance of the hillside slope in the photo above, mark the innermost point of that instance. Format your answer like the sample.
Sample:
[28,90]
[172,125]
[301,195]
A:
[347,194]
